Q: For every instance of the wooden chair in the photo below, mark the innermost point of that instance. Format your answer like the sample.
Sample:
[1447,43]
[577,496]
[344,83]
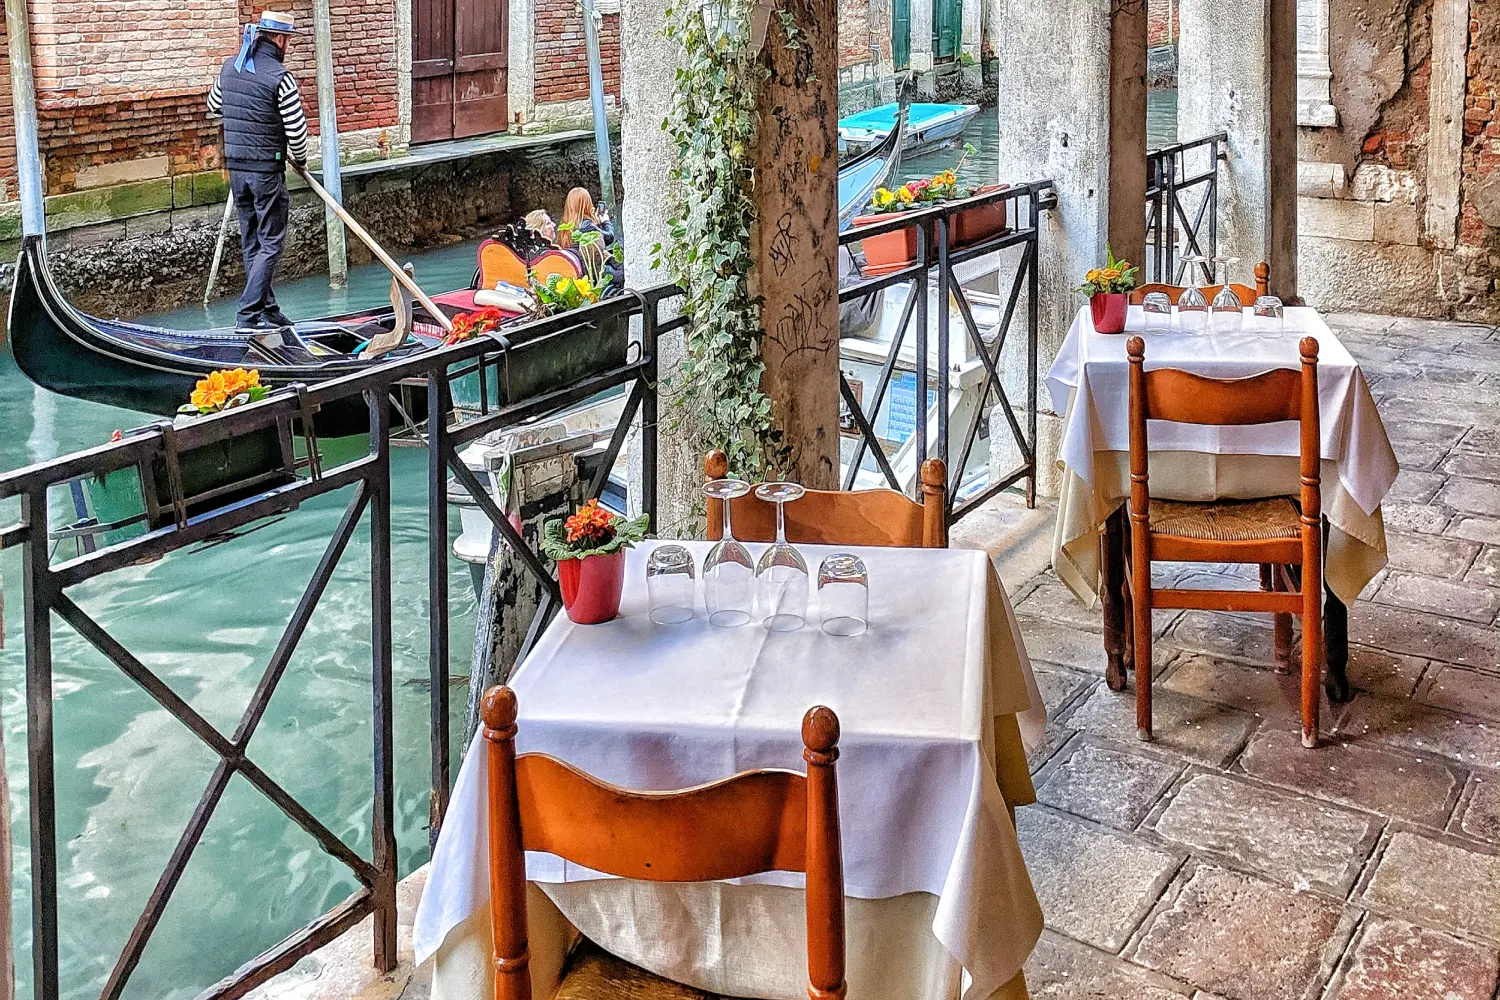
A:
[1246,294]
[877,517]
[1285,538]
[563,263]
[753,822]
[498,262]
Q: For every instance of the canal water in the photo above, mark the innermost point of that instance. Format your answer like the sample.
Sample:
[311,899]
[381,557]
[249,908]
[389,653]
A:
[129,776]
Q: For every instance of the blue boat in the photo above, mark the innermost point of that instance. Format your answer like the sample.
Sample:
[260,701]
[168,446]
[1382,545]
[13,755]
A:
[927,126]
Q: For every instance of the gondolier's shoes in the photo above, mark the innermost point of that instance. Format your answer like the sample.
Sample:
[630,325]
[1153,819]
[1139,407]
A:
[275,318]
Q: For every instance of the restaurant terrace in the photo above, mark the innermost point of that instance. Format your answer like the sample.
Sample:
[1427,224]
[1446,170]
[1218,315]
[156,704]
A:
[925,589]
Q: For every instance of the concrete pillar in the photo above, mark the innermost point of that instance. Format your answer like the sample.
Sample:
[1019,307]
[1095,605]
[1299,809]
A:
[795,245]
[1237,73]
[1073,76]
[971,40]
[921,47]
[1445,103]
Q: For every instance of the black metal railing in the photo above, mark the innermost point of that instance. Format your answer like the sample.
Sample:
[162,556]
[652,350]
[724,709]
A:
[1182,207]
[939,256]
[176,517]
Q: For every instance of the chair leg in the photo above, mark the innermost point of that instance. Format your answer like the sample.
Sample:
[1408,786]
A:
[1140,620]
[1312,654]
[1281,581]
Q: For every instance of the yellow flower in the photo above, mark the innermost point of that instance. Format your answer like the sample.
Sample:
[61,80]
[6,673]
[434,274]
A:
[1094,276]
[905,195]
[211,392]
[884,198]
[1111,273]
[584,286]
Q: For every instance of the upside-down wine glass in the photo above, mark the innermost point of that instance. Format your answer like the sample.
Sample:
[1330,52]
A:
[781,576]
[1157,309]
[728,572]
[1227,310]
[1192,307]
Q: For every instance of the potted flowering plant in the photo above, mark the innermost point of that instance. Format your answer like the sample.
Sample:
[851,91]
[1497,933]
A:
[589,549]
[1108,289]
[472,324]
[223,390]
[892,251]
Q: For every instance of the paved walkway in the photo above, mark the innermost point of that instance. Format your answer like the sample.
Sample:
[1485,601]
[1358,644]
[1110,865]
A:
[1223,860]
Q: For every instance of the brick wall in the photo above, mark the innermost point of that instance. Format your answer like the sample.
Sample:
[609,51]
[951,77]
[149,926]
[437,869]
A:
[8,190]
[562,67]
[1161,22]
[854,33]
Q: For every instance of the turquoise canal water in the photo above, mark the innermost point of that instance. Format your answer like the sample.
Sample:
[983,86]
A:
[129,776]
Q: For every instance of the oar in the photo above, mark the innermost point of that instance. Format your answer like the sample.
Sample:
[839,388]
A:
[384,258]
[213,272]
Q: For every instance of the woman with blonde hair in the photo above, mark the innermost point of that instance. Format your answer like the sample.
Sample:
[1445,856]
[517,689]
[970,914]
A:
[580,216]
[541,223]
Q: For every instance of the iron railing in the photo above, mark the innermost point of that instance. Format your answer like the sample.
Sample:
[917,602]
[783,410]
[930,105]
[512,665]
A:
[1182,207]
[175,521]
[938,258]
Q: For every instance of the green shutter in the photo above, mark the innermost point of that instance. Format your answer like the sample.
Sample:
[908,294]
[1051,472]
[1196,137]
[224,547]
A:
[901,34]
[947,26]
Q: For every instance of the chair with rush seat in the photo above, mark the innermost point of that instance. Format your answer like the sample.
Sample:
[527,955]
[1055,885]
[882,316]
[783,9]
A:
[753,822]
[1284,535]
[1245,293]
[878,517]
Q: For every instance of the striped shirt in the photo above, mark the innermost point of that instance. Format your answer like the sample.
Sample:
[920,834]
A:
[289,103]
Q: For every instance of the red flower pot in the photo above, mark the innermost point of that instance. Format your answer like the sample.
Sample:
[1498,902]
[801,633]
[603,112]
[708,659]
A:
[591,587]
[975,225]
[1109,311]
[892,251]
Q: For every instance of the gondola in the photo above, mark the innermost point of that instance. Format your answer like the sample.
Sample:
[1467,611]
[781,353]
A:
[154,369]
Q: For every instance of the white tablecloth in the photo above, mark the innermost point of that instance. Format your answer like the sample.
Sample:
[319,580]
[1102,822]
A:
[1089,383]
[660,707]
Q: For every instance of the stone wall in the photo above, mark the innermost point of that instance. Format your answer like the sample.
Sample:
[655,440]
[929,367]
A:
[1389,222]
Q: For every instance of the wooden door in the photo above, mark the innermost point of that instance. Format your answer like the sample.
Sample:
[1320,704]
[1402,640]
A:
[947,26]
[459,68]
[901,34]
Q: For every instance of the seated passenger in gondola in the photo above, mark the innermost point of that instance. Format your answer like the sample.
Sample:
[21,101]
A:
[580,218]
[541,223]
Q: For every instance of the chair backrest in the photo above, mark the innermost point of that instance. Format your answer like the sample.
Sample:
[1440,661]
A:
[498,262]
[1183,397]
[1245,293]
[879,517]
[563,263]
[756,821]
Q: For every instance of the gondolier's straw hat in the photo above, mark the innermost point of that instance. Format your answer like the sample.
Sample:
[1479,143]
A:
[271,22]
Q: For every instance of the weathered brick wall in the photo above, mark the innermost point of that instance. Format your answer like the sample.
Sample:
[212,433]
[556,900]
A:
[1161,22]
[854,33]
[8,190]
[562,67]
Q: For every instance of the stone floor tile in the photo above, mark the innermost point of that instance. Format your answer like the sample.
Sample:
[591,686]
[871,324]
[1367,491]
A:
[1052,600]
[1415,633]
[1109,785]
[1358,324]
[1423,456]
[1060,969]
[1067,645]
[1415,486]
[1058,684]
[1434,332]
[1486,567]
[1403,516]
[1053,740]
[1447,558]
[1410,725]
[1392,958]
[1382,781]
[1437,883]
[1478,813]
[1094,885]
[1475,527]
[1473,464]
[1415,429]
[1257,690]
[1482,437]
[1216,633]
[1440,597]
[1449,367]
[1246,939]
[1467,692]
[1199,730]
[1293,840]
[1473,496]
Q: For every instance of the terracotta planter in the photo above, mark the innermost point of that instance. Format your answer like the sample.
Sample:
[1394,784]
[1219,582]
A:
[891,251]
[1109,311]
[984,222]
[591,587]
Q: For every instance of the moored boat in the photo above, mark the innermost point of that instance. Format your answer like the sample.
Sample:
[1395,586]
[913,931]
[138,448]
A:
[927,125]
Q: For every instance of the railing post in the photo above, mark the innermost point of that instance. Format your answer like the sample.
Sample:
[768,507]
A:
[38,592]
[1033,291]
[1169,206]
[1213,195]
[919,409]
[437,592]
[944,291]
[383,820]
[649,412]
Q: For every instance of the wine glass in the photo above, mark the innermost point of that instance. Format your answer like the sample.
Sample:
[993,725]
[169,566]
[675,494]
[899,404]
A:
[1192,307]
[781,576]
[728,572]
[844,594]
[669,584]
[1157,307]
[1269,317]
[1227,312]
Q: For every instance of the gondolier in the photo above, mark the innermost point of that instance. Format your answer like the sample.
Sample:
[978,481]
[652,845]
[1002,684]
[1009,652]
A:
[264,127]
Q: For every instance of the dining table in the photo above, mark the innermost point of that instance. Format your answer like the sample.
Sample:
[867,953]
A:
[937,705]
[1089,384]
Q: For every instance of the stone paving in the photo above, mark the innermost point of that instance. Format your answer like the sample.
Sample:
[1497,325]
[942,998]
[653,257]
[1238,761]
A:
[1224,861]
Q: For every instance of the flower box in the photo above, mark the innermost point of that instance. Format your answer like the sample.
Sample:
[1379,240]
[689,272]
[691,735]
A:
[973,226]
[891,251]
[535,365]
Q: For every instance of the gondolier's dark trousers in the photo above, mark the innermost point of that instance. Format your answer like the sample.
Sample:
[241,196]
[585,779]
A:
[264,207]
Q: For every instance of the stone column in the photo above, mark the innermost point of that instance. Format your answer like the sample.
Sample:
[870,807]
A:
[1073,76]
[921,47]
[1237,73]
[1445,103]
[971,42]
[795,245]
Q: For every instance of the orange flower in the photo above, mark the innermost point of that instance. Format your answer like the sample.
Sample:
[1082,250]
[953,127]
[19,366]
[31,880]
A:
[211,392]
[592,523]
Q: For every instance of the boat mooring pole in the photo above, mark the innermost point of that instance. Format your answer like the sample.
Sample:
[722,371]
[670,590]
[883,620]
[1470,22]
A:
[23,98]
[328,135]
[601,122]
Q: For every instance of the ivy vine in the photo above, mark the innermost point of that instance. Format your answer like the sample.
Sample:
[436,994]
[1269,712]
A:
[713,118]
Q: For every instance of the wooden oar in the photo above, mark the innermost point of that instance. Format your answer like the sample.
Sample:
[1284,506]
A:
[400,275]
[213,271]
